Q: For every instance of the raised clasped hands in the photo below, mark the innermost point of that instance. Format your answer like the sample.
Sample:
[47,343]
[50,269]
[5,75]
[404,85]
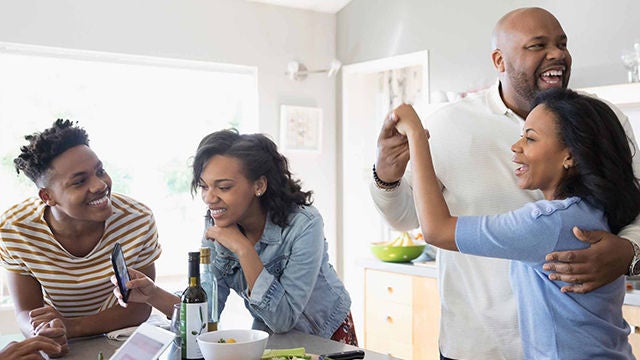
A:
[393,145]
[392,151]
[406,120]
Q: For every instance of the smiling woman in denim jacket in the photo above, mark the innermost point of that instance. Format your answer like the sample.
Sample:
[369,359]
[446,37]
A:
[267,241]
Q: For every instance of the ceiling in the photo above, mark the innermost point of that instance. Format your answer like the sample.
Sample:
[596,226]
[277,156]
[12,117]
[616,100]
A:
[325,6]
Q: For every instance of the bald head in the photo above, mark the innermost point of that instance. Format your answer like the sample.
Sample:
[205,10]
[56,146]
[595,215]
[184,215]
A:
[530,54]
[531,17]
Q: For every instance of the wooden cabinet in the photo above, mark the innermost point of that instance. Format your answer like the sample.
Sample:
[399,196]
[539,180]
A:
[402,311]
[632,315]
[402,315]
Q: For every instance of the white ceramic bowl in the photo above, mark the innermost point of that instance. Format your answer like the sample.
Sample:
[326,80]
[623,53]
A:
[249,345]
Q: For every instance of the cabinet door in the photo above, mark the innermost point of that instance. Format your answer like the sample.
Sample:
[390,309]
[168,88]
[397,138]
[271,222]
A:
[632,315]
[426,318]
[402,315]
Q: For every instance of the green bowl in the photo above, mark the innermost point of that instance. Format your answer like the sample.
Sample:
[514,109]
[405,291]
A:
[396,253]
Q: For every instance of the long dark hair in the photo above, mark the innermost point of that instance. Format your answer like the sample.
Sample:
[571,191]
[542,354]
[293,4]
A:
[603,172]
[259,157]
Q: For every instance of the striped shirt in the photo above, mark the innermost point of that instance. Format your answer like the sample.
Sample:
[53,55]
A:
[76,286]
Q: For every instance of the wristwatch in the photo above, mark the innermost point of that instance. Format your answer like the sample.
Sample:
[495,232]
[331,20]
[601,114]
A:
[634,268]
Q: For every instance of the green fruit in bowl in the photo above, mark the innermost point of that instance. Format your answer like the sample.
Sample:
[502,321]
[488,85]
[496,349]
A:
[388,253]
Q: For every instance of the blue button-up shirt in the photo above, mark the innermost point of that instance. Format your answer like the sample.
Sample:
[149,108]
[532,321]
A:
[553,324]
[297,289]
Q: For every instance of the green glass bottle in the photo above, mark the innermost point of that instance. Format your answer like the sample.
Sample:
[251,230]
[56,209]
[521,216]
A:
[193,311]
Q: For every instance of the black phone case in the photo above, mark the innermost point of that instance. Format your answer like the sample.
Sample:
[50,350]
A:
[117,254]
[345,355]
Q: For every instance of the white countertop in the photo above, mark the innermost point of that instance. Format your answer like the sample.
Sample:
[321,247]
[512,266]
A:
[428,269]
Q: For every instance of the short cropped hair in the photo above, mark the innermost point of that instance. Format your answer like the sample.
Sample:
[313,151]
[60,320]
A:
[36,157]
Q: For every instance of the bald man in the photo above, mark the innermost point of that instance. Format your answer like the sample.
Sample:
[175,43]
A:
[470,145]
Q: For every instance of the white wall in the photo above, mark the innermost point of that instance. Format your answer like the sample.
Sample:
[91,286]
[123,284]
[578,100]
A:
[457,35]
[226,31]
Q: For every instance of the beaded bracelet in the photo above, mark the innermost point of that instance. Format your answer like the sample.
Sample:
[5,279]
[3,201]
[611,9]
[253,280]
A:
[386,186]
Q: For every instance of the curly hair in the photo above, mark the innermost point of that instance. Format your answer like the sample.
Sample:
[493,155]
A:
[36,157]
[259,157]
[603,172]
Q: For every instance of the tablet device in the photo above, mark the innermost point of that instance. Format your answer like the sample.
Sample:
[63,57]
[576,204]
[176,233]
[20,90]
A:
[146,343]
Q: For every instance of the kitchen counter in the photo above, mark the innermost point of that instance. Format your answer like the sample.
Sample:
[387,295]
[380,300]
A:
[427,269]
[88,348]
[430,269]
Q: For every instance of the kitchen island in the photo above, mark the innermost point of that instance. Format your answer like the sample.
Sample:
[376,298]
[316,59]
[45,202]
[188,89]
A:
[88,348]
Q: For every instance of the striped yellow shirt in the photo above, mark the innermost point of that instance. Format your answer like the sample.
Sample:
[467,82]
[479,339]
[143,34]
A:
[76,286]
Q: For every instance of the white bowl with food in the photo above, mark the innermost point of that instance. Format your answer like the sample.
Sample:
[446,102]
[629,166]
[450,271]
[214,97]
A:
[238,344]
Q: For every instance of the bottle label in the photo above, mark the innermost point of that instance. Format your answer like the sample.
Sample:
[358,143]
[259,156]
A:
[193,322]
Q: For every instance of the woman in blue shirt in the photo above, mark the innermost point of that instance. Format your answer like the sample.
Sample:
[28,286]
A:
[267,241]
[575,151]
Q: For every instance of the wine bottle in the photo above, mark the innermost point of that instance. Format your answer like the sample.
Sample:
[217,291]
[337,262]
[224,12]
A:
[210,285]
[193,311]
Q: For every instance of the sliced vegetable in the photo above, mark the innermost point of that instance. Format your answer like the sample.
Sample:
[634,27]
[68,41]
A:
[226,341]
[285,354]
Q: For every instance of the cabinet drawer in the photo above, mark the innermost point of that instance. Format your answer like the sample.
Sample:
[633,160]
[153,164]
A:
[387,287]
[384,345]
[392,322]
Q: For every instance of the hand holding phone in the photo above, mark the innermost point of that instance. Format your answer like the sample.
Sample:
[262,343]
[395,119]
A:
[120,269]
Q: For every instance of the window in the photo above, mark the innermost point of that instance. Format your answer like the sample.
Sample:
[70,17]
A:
[145,117]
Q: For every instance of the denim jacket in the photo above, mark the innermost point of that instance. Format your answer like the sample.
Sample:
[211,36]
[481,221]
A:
[297,289]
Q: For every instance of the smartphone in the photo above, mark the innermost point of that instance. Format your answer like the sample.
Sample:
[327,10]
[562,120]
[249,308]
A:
[120,268]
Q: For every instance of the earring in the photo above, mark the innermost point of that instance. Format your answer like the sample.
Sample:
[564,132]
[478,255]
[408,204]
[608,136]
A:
[258,194]
[566,167]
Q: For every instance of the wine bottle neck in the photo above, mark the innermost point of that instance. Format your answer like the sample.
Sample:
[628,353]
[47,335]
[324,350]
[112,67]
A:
[194,268]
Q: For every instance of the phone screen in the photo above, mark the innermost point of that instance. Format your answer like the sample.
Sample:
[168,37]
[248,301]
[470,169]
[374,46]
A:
[120,268]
